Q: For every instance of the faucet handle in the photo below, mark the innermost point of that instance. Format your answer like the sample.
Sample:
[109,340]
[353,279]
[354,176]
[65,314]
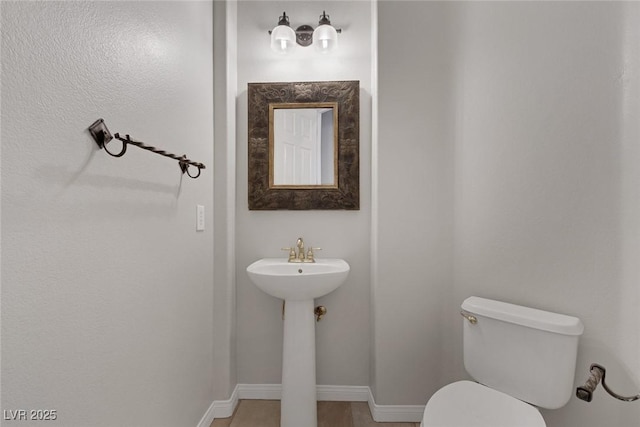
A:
[310,257]
[292,253]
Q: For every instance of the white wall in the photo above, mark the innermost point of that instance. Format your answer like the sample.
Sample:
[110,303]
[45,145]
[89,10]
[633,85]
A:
[628,347]
[106,287]
[224,298]
[414,199]
[541,209]
[507,166]
[545,171]
[343,335]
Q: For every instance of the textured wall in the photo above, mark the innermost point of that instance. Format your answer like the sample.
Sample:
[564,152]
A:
[343,335]
[106,286]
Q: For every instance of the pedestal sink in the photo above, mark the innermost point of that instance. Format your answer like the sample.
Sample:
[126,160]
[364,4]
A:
[298,284]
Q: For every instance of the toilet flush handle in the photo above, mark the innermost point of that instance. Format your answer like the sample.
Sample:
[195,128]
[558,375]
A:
[470,317]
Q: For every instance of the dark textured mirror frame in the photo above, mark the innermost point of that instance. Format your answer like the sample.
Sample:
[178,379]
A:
[347,194]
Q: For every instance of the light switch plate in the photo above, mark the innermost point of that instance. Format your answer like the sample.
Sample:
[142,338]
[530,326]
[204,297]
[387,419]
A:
[199,218]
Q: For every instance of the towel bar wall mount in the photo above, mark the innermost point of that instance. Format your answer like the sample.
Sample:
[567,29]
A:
[597,374]
[102,136]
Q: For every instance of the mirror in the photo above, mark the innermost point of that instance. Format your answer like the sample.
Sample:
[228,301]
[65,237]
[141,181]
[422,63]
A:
[303,145]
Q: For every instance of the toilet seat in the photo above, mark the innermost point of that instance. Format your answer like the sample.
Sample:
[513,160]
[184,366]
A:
[469,404]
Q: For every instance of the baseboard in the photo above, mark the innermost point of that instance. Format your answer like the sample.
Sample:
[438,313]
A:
[343,393]
[260,391]
[220,409]
[395,413]
[334,393]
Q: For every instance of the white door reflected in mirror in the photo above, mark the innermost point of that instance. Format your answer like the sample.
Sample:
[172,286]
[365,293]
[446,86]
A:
[303,145]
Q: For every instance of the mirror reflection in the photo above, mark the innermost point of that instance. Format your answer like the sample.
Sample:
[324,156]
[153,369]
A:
[303,145]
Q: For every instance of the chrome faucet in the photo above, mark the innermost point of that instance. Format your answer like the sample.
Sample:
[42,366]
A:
[297,253]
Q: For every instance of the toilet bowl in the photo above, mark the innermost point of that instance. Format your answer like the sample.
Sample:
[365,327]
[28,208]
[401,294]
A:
[467,403]
[522,358]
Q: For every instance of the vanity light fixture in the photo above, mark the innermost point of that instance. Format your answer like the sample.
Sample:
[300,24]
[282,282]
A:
[283,37]
[324,37]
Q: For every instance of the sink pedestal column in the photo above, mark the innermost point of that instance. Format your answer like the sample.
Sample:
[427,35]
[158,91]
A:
[298,407]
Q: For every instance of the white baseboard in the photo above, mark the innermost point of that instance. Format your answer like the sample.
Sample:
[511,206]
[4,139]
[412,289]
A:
[260,391]
[395,413]
[343,393]
[220,409]
[334,393]
[208,417]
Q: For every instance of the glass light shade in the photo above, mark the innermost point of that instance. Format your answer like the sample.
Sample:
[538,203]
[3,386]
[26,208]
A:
[283,39]
[325,38]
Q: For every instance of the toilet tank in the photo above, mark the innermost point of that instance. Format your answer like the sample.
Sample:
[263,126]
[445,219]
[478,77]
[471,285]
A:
[527,353]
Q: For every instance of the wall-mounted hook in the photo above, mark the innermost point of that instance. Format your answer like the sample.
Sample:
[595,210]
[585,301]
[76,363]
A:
[184,166]
[100,133]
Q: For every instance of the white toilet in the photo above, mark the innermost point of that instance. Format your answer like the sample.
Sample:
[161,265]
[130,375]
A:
[522,358]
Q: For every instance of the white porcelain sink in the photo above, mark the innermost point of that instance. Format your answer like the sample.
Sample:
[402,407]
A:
[298,281]
[298,284]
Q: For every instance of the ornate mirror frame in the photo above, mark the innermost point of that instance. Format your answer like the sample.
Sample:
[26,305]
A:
[346,195]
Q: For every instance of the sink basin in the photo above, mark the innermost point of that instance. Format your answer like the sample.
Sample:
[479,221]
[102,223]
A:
[298,281]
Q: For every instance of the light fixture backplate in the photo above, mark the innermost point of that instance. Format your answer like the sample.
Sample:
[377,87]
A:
[304,35]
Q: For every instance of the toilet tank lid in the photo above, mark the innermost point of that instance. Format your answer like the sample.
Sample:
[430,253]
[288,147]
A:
[525,316]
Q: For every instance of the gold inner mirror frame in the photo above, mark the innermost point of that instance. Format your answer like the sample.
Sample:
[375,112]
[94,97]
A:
[344,192]
[326,154]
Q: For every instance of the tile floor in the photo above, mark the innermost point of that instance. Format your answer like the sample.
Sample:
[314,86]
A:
[266,413]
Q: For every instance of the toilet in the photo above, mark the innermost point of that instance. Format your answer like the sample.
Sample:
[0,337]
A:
[522,359]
